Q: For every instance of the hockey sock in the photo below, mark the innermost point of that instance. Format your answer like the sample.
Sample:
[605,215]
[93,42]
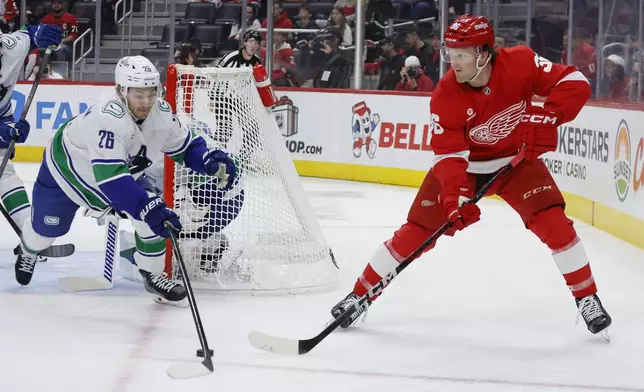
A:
[33,242]
[150,254]
[388,255]
[573,264]
[16,202]
[555,230]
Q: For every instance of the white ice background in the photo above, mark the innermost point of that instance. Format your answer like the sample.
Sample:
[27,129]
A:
[486,310]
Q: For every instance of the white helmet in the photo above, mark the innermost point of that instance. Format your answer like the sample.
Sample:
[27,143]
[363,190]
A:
[136,72]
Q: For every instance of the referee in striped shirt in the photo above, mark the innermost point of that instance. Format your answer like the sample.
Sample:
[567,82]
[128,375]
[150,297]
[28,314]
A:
[247,55]
[226,107]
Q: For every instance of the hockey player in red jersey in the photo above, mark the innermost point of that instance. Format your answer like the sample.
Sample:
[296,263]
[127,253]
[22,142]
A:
[482,115]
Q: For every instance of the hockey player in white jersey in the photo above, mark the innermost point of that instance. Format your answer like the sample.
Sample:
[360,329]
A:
[89,162]
[14,48]
[208,208]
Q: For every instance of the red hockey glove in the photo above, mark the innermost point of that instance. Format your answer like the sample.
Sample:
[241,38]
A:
[460,214]
[538,131]
[452,175]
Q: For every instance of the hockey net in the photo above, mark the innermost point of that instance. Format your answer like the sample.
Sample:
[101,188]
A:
[261,235]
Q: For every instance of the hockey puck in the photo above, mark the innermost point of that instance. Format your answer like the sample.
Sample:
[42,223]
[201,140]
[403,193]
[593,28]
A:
[200,353]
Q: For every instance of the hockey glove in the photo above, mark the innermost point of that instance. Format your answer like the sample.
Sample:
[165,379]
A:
[458,212]
[44,35]
[221,165]
[155,213]
[18,132]
[538,132]
[452,175]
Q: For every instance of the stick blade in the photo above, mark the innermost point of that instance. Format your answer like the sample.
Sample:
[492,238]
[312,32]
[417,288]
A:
[274,344]
[183,371]
[78,283]
[59,251]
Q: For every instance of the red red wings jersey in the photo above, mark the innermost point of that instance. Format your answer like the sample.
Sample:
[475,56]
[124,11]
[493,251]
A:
[477,124]
[66,21]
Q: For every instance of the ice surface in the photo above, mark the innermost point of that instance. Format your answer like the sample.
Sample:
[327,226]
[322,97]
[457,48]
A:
[485,311]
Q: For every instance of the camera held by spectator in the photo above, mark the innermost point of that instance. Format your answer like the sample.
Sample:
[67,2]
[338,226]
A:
[48,72]
[336,69]
[413,78]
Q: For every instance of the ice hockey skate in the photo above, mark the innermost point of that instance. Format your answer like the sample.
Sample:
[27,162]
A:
[25,265]
[166,290]
[40,259]
[595,316]
[345,305]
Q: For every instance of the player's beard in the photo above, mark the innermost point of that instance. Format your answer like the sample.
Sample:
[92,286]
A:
[140,110]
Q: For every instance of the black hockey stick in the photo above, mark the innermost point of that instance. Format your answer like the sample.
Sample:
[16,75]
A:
[275,344]
[25,109]
[190,370]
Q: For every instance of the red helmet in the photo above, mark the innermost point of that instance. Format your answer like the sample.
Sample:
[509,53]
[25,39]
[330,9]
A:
[469,31]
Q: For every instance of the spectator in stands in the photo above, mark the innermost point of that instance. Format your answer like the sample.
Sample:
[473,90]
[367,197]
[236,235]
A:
[520,37]
[8,15]
[412,77]
[31,60]
[335,71]
[252,23]
[584,55]
[68,23]
[417,9]
[48,73]
[305,21]
[614,83]
[338,20]
[281,20]
[432,69]
[417,46]
[283,61]
[108,10]
[349,8]
[188,53]
[378,12]
[634,80]
[390,65]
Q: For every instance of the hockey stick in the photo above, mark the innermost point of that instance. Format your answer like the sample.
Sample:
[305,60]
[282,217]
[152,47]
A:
[106,282]
[190,370]
[275,344]
[25,109]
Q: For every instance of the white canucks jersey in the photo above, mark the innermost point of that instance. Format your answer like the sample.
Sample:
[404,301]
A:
[13,50]
[100,145]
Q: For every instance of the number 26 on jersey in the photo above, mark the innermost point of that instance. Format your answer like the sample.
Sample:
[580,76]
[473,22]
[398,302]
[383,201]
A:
[107,139]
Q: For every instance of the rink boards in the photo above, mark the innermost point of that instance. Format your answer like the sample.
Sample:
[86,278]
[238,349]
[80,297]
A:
[384,138]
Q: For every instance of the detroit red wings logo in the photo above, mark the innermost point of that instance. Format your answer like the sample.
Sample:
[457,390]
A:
[498,126]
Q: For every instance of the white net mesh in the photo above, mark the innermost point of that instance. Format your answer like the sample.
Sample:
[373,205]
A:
[260,235]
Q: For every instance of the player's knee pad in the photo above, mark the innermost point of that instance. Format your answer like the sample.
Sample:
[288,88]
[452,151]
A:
[407,239]
[553,227]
